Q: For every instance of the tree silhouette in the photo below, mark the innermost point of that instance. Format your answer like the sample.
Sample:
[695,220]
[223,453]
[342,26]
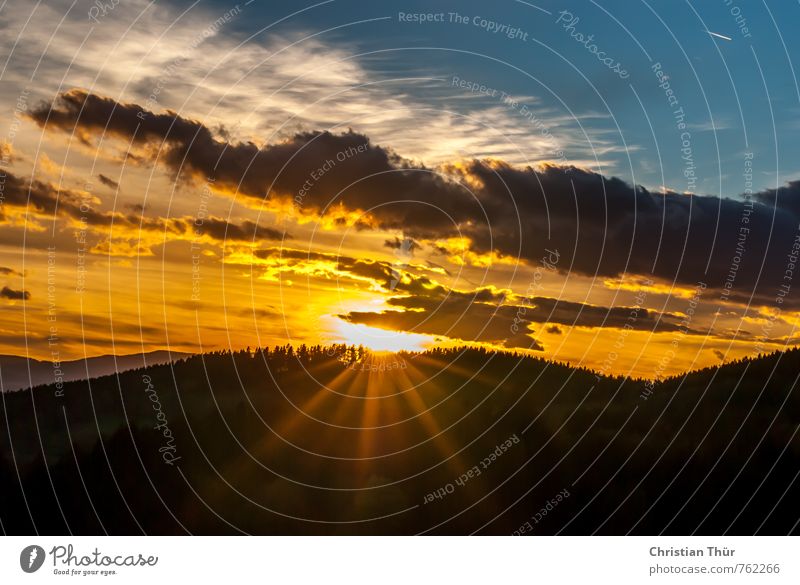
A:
[271,438]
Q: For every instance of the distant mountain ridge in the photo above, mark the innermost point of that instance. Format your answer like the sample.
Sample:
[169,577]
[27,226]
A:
[15,375]
[451,441]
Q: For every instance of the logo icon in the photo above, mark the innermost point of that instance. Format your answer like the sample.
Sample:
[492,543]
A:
[31,558]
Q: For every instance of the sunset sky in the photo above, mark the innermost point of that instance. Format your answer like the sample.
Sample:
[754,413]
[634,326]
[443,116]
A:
[208,175]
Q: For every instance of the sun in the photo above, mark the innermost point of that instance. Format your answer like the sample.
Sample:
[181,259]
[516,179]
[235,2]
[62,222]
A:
[379,339]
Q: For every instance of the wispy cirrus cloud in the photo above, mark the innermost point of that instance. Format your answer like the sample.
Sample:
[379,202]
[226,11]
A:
[259,87]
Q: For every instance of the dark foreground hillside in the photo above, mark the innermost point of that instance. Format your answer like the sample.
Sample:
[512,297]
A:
[332,441]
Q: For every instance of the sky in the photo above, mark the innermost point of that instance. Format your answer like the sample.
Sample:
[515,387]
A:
[602,183]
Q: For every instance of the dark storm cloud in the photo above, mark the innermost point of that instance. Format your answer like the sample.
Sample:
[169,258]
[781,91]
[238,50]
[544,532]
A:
[293,254]
[14,295]
[9,271]
[418,297]
[601,226]
[476,322]
[484,314]
[489,316]
[535,309]
[785,198]
[305,168]
[36,195]
[186,227]
[108,182]
[45,198]
[76,109]
[382,273]
[222,230]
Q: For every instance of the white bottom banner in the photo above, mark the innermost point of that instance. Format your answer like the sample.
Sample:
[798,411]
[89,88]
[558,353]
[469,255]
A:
[400,560]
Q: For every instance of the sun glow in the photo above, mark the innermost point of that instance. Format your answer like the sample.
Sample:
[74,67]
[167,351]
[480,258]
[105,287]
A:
[379,339]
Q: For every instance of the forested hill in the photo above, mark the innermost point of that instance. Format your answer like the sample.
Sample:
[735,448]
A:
[338,440]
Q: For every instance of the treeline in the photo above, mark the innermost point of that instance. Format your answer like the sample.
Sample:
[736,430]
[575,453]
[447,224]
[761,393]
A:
[341,440]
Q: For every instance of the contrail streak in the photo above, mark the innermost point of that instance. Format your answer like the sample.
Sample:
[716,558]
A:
[713,34]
